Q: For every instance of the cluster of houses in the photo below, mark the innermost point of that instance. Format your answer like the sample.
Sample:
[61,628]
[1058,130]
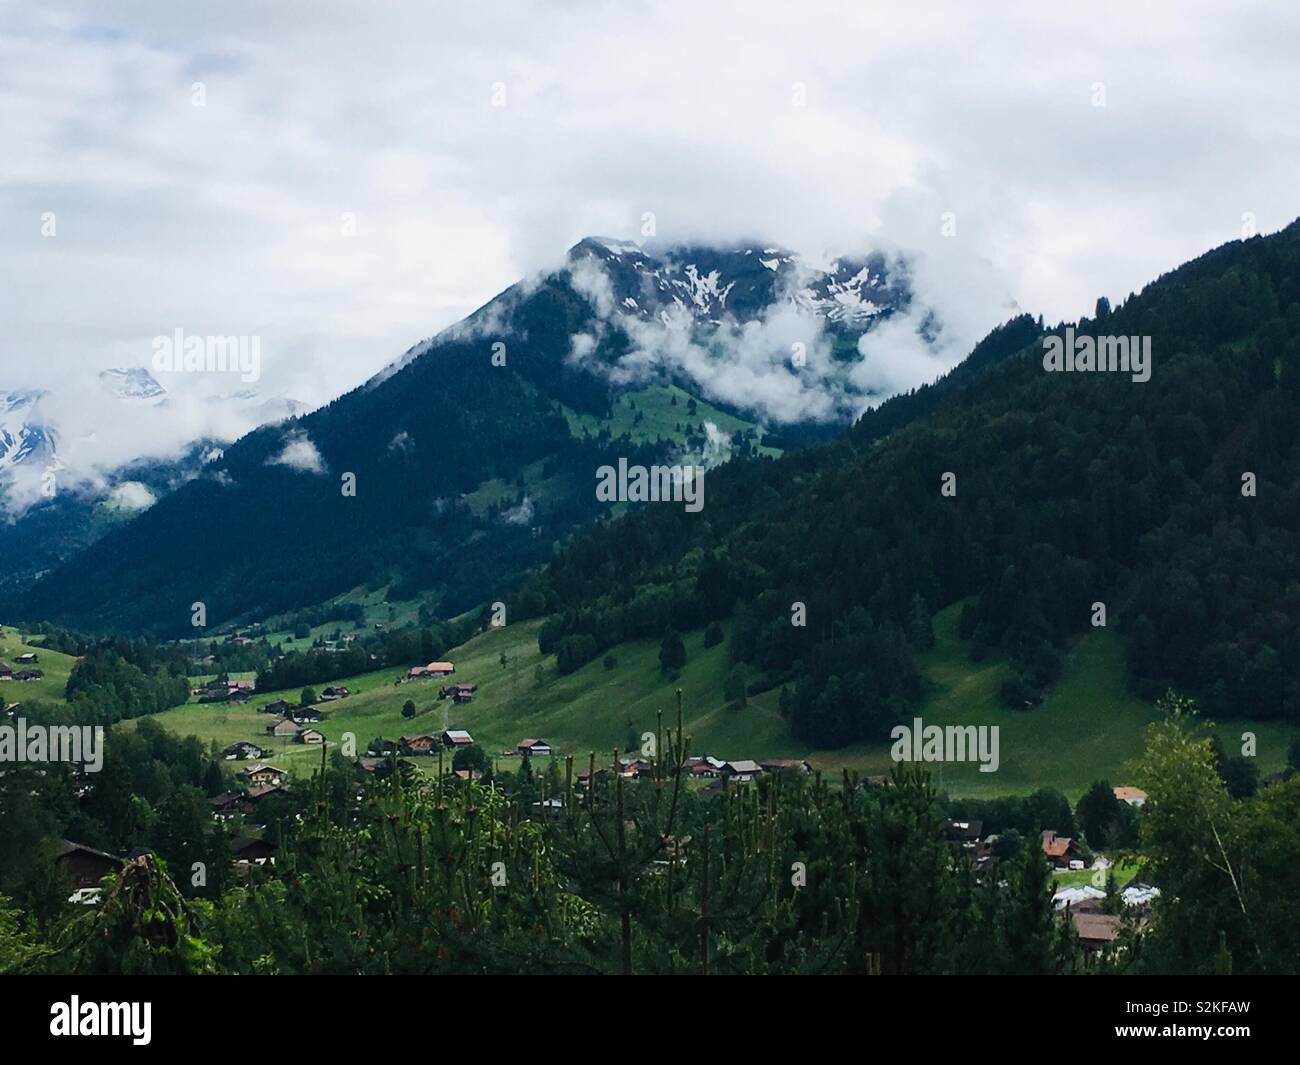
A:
[86,866]
[447,740]
[225,691]
[378,753]
[296,728]
[260,780]
[293,722]
[719,774]
[1081,904]
[25,671]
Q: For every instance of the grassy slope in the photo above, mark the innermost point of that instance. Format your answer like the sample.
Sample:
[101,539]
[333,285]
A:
[660,417]
[1089,728]
[54,665]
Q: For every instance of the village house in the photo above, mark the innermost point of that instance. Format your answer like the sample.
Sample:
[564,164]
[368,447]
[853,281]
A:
[456,737]
[278,707]
[742,769]
[629,766]
[701,768]
[28,674]
[1139,896]
[228,804]
[330,694]
[309,735]
[417,744]
[1096,931]
[451,691]
[1081,898]
[583,776]
[1133,796]
[305,715]
[382,748]
[1061,851]
[261,773]
[250,851]
[6,673]
[282,726]
[255,793]
[240,685]
[776,765]
[26,659]
[242,750]
[552,808]
[533,747]
[85,865]
[433,669]
[239,696]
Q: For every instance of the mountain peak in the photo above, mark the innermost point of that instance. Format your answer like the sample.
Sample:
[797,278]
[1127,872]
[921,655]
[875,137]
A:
[133,382]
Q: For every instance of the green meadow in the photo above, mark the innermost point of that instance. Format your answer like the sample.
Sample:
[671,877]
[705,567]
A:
[52,664]
[1089,728]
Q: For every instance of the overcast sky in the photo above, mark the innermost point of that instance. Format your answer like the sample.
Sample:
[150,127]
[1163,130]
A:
[1082,152]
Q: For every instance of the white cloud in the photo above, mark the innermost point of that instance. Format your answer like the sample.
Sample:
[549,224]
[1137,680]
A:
[132,495]
[299,453]
[229,219]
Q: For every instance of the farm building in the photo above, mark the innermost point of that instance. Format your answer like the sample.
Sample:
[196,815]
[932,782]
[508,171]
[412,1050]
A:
[775,765]
[417,744]
[456,737]
[531,746]
[742,769]
[432,669]
[242,750]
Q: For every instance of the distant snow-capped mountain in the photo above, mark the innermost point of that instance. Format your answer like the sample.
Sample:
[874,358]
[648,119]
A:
[24,436]
[30,435]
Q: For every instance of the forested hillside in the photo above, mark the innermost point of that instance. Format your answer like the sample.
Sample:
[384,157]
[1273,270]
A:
[453,472]
[1175,503]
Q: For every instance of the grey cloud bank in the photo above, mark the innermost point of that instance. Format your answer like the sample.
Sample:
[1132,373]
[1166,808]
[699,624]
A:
[348,184]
